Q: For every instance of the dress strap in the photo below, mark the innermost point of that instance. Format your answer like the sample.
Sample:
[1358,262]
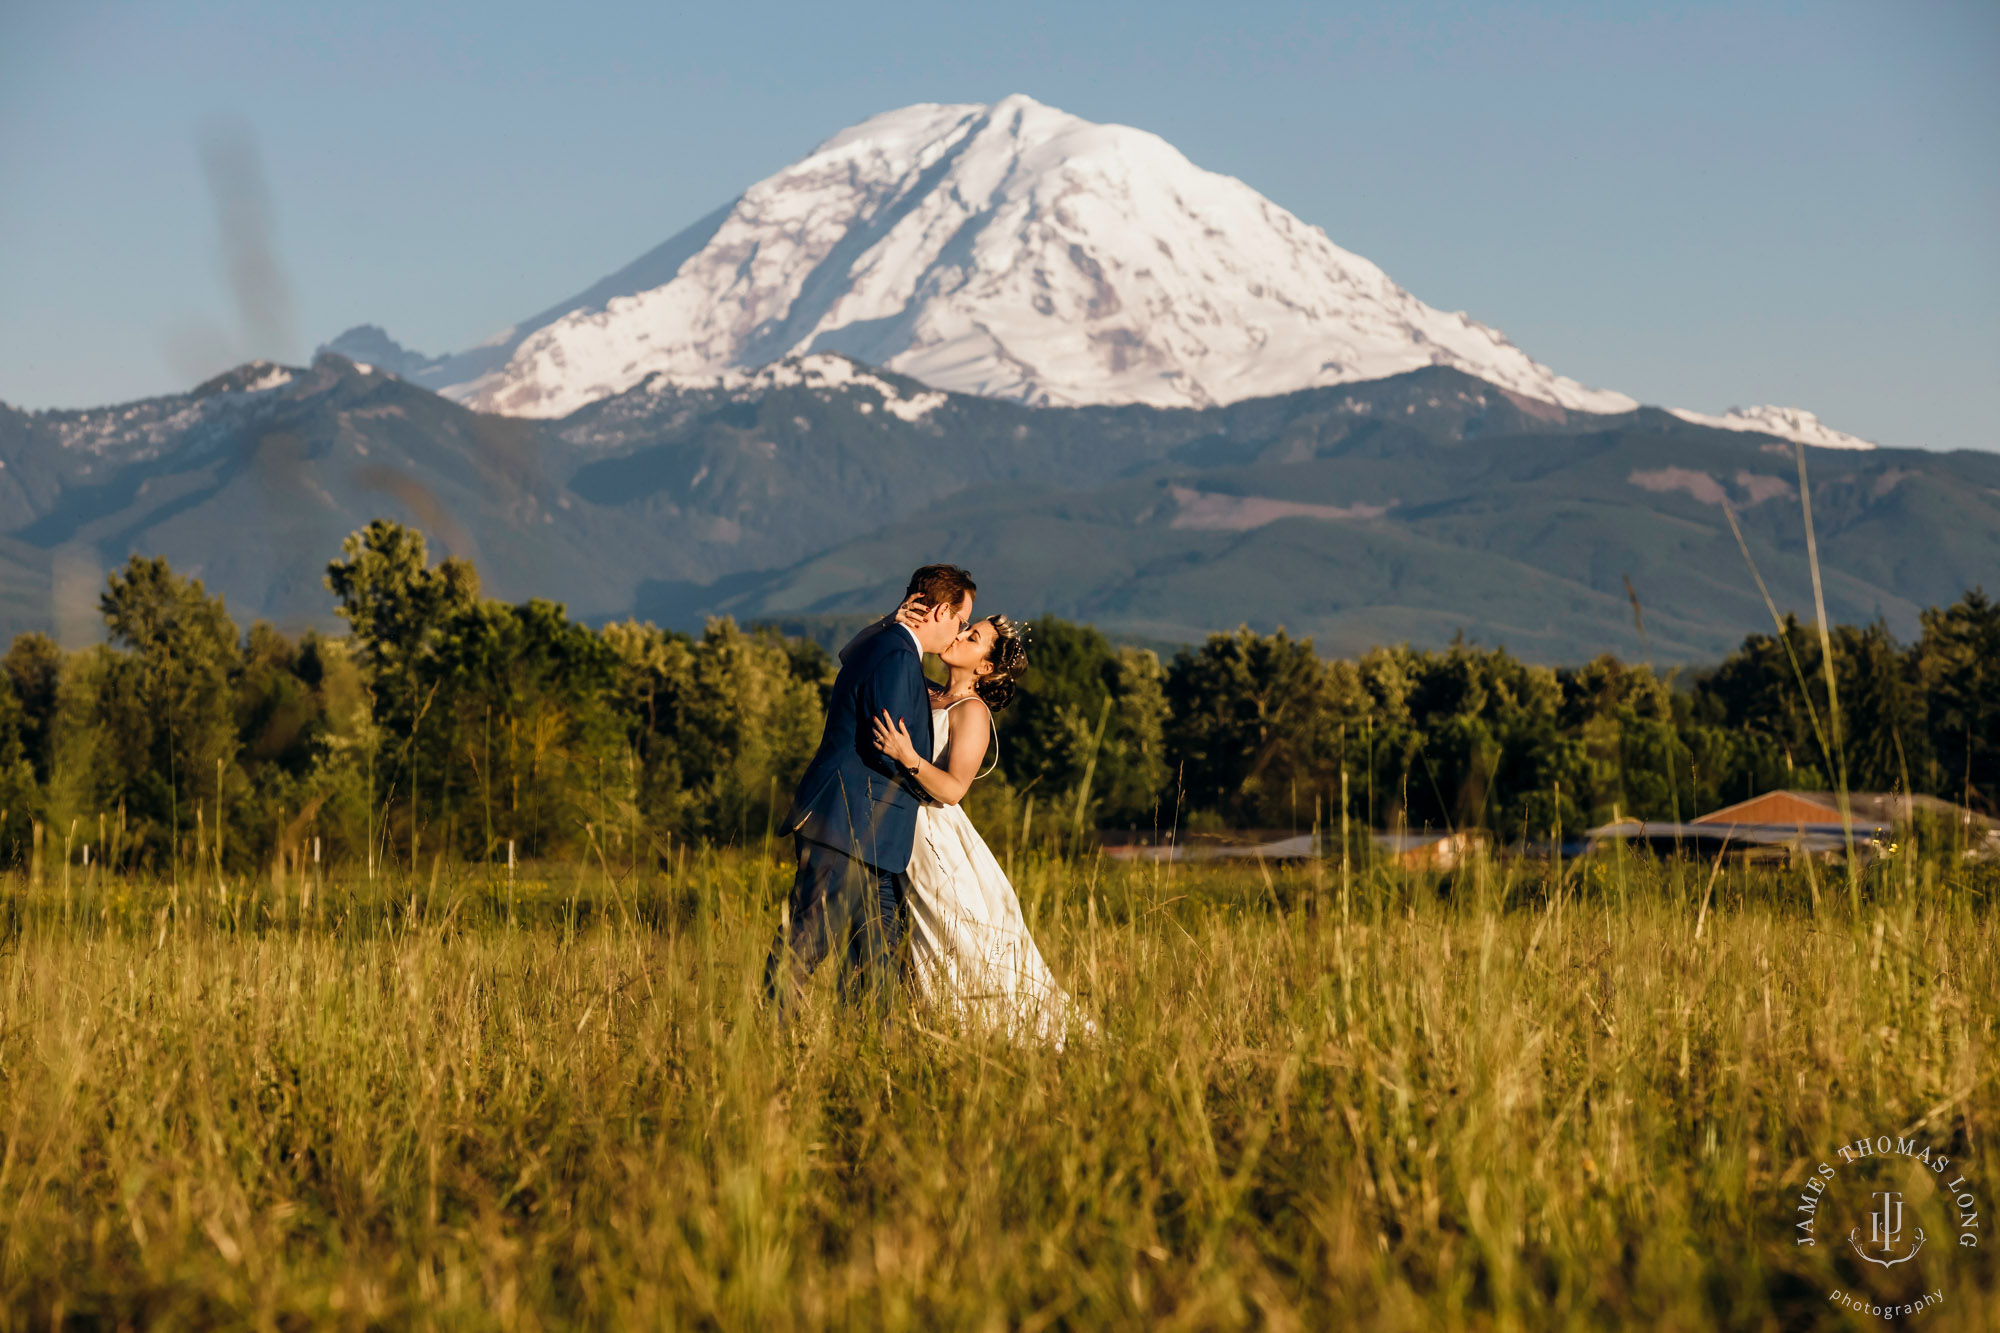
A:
[993,727]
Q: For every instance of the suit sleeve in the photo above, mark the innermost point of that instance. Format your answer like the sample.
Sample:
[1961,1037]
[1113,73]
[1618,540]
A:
[865,633]
[900,691]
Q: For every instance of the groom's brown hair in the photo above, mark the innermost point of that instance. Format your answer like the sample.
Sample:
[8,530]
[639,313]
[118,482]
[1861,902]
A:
[940,585]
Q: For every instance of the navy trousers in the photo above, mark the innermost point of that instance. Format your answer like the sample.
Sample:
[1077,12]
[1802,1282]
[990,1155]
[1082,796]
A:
[839,903]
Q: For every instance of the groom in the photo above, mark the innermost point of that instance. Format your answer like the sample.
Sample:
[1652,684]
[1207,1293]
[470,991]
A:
[854,818]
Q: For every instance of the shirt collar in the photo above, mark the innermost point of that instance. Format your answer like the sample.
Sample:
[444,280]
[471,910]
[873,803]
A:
[913,637]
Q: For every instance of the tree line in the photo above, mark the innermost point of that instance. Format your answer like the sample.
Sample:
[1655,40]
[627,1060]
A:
[447,724]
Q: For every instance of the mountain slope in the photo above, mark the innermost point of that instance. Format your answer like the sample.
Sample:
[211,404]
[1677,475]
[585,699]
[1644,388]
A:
[251,481]
[1387,535]
[1012,251]
[1413,506]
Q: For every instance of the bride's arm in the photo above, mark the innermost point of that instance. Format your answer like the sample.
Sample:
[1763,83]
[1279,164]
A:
[971,729]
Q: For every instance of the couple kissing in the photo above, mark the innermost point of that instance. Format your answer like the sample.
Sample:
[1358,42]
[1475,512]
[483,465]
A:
[891,874]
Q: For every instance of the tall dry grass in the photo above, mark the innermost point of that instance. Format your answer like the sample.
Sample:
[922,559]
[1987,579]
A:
[1415,1105]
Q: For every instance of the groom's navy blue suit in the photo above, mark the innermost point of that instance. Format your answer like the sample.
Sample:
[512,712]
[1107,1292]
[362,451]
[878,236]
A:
[854,820]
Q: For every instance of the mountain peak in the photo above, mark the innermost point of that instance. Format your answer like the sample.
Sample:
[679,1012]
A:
[250,377]
[1016,251]
[1011,251]
[370,344]
[1789,423]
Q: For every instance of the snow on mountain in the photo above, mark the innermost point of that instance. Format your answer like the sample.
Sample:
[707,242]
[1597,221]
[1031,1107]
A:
[825,370]
[1013,251]
[1791,423]
[131,432]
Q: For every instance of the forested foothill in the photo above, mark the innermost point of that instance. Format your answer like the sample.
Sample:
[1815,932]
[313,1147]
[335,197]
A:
[445,723]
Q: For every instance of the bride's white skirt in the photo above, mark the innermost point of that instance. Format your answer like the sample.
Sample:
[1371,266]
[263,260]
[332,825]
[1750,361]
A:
[970,950]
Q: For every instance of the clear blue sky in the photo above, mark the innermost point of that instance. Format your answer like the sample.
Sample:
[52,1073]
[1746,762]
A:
[1700,204]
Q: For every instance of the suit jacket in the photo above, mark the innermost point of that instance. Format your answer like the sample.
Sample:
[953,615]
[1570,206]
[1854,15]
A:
[853,796]
[865,633]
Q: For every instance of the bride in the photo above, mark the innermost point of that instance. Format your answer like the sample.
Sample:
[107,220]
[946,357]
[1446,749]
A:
[970,950]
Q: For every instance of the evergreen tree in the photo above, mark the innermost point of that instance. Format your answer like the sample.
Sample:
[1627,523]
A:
[166,709]
[1253,727]
[1959,665]
[1076,683]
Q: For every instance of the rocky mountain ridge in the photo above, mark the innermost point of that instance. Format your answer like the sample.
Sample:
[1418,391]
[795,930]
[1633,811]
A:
[1416,506]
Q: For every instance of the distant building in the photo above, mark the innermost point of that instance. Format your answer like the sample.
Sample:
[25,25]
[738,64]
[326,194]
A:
[1779,825]
[1811,809]
[1435,851]
[1236,845]
[1413,851]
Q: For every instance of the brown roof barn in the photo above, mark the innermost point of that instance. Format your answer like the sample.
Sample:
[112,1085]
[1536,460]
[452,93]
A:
[1783,824]
[1808,808]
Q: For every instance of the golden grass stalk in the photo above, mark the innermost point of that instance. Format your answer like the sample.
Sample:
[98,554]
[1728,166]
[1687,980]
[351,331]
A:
[376,1113]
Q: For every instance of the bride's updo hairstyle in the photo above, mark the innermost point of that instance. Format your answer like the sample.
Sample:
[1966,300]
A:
[1009,658]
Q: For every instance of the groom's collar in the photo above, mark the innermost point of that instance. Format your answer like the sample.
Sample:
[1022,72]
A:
[913,638]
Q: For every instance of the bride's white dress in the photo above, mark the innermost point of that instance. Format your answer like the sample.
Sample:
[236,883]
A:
[970,950]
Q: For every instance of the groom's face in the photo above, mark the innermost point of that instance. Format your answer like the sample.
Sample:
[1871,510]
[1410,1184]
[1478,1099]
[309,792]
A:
[942,624]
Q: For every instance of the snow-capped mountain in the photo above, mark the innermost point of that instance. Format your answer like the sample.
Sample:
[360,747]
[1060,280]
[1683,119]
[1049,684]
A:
[1791,423]
[1013,251]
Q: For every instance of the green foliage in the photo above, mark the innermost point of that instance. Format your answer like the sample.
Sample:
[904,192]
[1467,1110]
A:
[34,668]
[1253,722]
[722,727]
[1087,705]
[393,601]
[1260,727]
[1469,737]
[515,731]
[20,793]
[1958,664]
[447,726]
[161,741]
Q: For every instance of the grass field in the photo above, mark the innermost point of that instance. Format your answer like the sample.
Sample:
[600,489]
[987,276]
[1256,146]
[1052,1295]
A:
[1407,1104]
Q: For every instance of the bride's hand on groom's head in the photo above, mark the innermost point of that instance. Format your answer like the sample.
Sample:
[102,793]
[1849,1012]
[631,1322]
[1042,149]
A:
[911,612]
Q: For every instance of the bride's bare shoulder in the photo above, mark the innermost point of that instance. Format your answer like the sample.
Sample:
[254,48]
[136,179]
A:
[974,713]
